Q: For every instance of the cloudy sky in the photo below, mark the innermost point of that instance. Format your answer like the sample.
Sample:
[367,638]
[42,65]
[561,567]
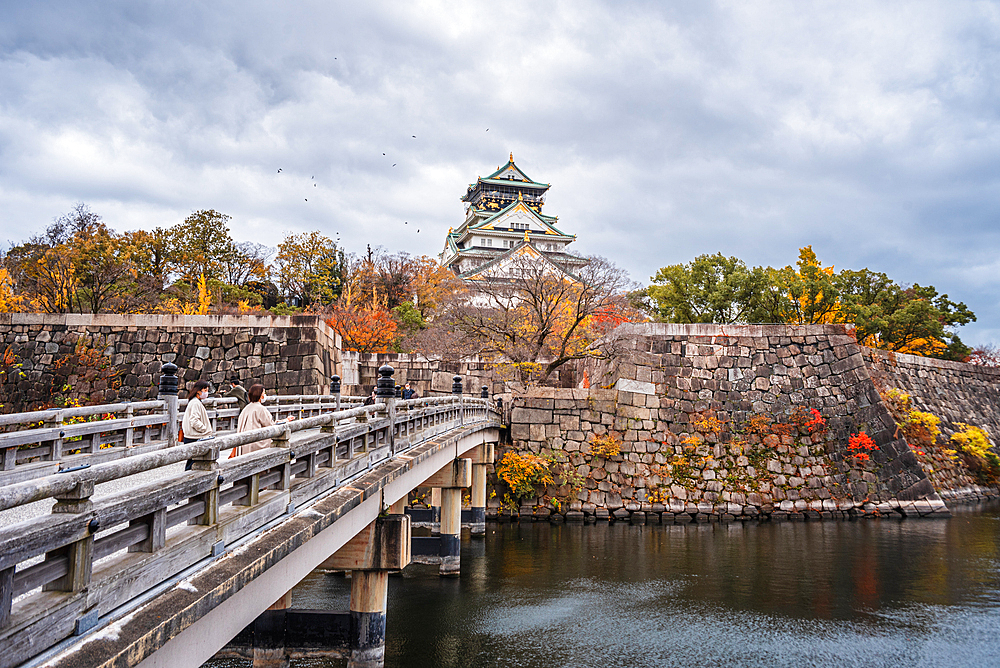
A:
[667,130]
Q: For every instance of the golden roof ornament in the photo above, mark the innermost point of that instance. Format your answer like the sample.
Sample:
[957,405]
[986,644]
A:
[526,235]
[512,156]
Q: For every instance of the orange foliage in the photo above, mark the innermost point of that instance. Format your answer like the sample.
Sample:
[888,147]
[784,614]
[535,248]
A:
[366,327]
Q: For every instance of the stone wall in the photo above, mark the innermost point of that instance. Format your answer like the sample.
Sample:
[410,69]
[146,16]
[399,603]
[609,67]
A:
[102,358]
[955,393]
[679,402]
[429,376]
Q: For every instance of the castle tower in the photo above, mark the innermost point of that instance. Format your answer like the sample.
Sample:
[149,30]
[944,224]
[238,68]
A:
[503,217]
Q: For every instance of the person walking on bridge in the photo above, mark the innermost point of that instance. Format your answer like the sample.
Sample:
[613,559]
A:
[237,392]
[254,416]
[196,425]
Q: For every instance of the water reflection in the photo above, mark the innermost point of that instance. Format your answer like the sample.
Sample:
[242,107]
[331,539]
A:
[914,593]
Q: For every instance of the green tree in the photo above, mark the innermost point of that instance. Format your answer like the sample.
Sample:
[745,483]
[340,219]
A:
[806,294]
[310,268]
[711,288]
[913,319]
[202,246]
[886,315]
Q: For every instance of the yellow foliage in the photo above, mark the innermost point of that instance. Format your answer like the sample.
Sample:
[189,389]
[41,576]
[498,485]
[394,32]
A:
[204,296]
[707,423]
[921,426]
[973,440]
[523,472]
[8,300]
[606,445]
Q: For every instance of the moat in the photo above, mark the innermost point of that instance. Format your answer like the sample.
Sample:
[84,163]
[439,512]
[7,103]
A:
[862,593]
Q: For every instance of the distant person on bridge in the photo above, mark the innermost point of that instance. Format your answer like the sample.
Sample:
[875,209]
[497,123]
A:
[409,392]
[254,416]
[196,425]
[237,392]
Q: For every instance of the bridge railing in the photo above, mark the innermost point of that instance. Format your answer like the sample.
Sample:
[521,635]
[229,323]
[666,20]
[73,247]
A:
[59,572]
[40,442]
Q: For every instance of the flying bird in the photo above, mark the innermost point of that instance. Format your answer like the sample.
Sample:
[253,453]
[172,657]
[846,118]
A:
[487,129]
[393,164]
[313,177]
[279,170]
[414,136]
[418,231]
[383,154]
[406,222]
[307,199]
[314,185]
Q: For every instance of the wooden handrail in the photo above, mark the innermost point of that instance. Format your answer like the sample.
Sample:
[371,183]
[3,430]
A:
[303,461]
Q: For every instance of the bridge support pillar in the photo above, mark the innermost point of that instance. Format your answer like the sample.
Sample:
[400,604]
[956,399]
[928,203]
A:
[367,626]
[482,457]
[436,505]
[382,547]
[451,479]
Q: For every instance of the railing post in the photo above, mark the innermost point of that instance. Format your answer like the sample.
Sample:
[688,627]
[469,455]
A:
[168,393]
[284,441]
[456,389]
[208,462]
[129,436]
[385,391]
[80,553]
[485,392]
[335,390]
[57,443]
[6,594]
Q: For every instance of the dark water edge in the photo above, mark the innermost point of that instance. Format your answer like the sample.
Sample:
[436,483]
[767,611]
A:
[862,593]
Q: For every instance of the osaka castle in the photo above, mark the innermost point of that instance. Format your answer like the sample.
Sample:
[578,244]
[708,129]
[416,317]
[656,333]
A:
[504,223]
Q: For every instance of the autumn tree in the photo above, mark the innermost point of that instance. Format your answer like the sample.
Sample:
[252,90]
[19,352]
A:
[310,268]
[534,316]
[363,321]
[202,246]
[985,355]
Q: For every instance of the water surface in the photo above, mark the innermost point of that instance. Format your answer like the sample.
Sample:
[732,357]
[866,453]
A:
[863,593]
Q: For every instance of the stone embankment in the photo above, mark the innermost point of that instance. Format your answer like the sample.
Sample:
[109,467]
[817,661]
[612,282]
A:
[106,358]
[703,423]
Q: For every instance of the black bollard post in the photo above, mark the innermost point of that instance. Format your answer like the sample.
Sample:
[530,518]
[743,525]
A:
[335,390]
[168,393]
[385,392]
[485,393]
[456,389]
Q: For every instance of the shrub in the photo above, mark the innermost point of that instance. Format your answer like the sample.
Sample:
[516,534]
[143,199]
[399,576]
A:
[860,445]
[975,443]
[921,428]
[523,473]
[605,445]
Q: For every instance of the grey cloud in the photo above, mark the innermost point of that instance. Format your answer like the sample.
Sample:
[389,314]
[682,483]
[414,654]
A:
[667,130]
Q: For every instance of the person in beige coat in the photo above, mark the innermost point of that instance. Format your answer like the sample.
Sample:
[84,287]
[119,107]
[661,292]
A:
[254,416]
[196,423]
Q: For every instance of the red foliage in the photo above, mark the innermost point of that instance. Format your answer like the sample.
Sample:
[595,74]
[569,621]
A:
[861,444]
